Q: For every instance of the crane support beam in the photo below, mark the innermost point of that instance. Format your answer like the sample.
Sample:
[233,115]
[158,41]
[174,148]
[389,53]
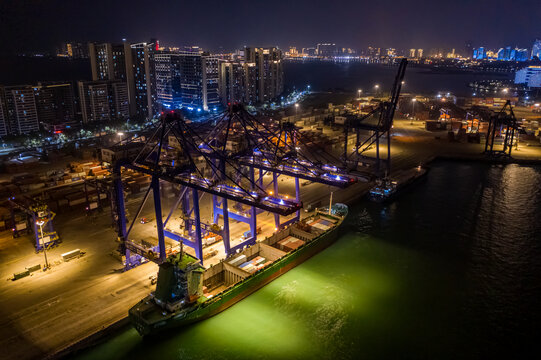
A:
[272,204]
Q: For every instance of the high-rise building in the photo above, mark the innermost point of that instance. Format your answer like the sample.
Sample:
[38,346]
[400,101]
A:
[55,104]
[479,53]
[412,53]
[3,118]
[144,78]
[103,100]
[231,83]
[74,50]
[373,52]
[199,80]
[390,52]
[22,114]
[536,49]
[327,50]
[530,76]
[521,55]
[309,51]
[269,72]
[168,88]
[420,53]
[114,62]
[238,82]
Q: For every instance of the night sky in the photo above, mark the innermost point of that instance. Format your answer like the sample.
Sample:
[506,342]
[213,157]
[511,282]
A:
[43,24]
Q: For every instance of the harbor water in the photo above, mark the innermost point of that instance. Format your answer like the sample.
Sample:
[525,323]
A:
[450,269]
[349,77]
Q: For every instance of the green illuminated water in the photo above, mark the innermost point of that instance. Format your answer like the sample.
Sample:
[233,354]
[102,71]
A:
[449,270]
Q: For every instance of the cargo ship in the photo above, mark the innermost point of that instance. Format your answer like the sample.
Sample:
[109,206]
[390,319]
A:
[387,188]
[186,292]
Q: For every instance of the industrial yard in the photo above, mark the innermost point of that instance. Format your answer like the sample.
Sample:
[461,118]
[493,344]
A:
[92,290]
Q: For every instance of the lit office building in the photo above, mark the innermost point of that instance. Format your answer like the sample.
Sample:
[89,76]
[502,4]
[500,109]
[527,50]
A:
[326,50]
[529,76]
[479,53]
[268,72]
[75,50]
[55,104]
[238,82]
[3,119]
[114,62]
[419,53]
[412,53]
[199,80]
[103,100]
[144,78]
[22,114]
[536,49]
[168,89]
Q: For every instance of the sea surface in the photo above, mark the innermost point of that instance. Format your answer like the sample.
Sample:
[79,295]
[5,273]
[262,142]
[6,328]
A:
[328,76]
[321,76]
[450,270]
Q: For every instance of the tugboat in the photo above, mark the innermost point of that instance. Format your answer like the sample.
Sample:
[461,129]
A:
[186,292]
[384,189]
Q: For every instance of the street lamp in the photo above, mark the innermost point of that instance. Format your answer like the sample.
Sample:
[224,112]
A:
[413,104]
[359,93]
[120,134]
[41,223]
[296,109]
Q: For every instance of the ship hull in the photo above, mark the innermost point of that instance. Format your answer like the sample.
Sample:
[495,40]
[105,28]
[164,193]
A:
[241,290]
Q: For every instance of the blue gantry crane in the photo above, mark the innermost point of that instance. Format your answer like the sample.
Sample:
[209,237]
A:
[227,158]
[171,153]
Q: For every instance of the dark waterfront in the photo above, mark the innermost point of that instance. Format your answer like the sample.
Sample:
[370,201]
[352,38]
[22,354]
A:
[321,76]
[328,76]
[449,270]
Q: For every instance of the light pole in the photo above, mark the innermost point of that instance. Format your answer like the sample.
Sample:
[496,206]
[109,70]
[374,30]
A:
[296,110]
[41,223]
[120,134]
[413,104]
[376,87]
[359,94]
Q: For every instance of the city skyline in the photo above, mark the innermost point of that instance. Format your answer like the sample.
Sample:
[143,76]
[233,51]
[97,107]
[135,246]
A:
[37,25]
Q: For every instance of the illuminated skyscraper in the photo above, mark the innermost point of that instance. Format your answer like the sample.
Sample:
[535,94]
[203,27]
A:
[3,117]
[269,72]
[412,53]
[238,82]
[103,100]
[22,113]
[419,53]
[198,80]
[168,89]
[55,104]
[536,49]
[144,78]
[114,62]
[326,50]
